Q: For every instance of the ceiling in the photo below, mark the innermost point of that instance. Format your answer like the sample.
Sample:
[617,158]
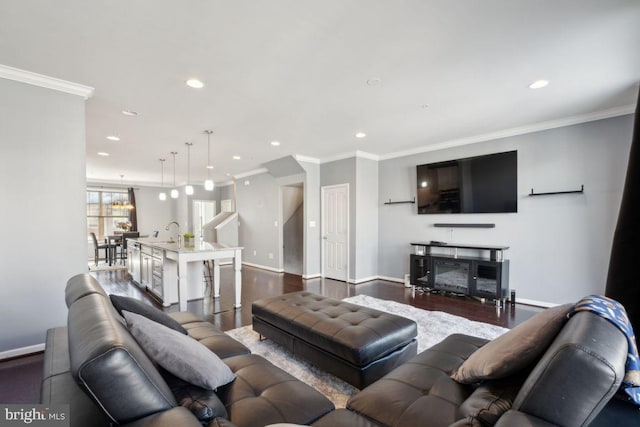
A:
[411,74]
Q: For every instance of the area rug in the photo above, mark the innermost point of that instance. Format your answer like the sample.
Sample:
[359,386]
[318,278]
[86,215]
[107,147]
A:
[106,267]
[433,327]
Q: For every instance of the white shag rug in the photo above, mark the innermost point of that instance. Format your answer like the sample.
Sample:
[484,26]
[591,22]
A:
[433,327]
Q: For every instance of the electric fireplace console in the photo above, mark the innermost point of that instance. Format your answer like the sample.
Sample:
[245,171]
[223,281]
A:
[475,270]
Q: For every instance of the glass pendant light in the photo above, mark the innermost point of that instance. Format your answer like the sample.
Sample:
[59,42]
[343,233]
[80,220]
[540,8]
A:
[174,191]
[188,189]
[162,195]
[208,183]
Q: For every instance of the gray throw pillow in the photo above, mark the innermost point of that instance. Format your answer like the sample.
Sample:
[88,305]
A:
[150,312]
[516,349]
[179,354]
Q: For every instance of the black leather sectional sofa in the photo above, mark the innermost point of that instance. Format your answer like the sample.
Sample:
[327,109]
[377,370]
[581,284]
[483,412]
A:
[567,386]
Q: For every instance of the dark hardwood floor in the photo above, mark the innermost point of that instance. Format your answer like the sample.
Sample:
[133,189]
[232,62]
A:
[21,377]
[257,284]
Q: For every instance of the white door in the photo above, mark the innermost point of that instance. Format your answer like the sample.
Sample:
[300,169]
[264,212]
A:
[203,212]
[335,231]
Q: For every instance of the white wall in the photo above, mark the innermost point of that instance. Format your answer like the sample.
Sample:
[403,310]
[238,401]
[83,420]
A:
[43,215]
[560,245]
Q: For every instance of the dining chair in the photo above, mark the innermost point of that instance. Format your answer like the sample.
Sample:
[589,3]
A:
[123,247]
[96,248]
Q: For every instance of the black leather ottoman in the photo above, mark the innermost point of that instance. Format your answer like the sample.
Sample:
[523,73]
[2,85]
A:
[355,343]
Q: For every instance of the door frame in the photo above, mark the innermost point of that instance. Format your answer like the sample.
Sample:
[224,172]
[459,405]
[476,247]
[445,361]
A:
[323,190]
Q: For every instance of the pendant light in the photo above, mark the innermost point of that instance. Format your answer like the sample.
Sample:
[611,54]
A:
[208,183]
[162,196]
[174,192]
[188,189]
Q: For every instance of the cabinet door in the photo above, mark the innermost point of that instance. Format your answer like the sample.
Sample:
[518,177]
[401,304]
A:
[420,271]
[487,277]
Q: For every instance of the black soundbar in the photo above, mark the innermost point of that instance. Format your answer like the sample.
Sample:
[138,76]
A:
[463,225]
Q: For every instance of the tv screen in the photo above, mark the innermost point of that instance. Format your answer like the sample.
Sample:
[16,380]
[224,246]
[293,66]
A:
[483,184]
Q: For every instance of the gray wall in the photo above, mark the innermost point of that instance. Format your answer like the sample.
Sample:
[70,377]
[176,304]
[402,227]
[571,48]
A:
[560,245]
[258,206]
[311,215]
[42,173]
[366,220]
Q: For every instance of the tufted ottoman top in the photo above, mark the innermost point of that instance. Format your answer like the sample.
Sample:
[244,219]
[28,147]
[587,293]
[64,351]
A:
[354,333]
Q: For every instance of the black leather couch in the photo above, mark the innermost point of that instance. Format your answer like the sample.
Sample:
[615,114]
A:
[96,366]
[568,386]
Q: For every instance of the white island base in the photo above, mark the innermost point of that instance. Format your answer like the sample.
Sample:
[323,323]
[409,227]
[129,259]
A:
[180,271]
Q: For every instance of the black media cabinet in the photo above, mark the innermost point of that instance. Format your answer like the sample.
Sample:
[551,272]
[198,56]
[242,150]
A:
[441,267]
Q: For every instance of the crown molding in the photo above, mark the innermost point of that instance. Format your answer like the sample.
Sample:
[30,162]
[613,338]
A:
[350,154]
[251,173]
[41,80]
[306,159]
[365,155]
[537,127]
[225,183]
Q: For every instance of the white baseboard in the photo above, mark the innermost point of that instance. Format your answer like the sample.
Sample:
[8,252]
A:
[22,351]
[362,280]
[536,303]
[263,267]
[391,279]
[311,276]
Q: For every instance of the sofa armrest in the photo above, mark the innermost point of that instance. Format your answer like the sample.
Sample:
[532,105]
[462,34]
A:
[578,374]
[516,418]
[177,416]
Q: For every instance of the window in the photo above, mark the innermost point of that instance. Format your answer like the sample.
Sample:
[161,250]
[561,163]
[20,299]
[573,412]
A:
[106,212]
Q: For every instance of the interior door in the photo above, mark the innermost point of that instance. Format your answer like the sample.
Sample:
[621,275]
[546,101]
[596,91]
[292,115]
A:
[335,231]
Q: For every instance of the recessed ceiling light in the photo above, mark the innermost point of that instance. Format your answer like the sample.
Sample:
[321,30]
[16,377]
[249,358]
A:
[113,138]
[195,83]
[103,154]
[236,157]
[360,135]
[130,113]
[374,81]
[539,84]
[275,143]
[227,174]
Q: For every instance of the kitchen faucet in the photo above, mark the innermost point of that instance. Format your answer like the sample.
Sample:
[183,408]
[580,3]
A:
[179,235]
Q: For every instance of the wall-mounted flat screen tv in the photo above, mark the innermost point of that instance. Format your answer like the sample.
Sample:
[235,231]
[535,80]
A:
[482,184]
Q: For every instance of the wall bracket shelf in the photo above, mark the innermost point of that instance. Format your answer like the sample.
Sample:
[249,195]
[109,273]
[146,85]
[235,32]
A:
[580,191]
[397,203]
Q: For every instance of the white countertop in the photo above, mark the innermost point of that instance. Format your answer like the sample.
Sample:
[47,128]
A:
[170,245]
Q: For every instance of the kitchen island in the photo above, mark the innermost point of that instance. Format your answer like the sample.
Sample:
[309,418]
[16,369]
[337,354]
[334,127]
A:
[175,274]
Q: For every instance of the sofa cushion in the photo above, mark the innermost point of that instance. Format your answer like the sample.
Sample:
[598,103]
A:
[516,349]
[420,392]
[209,335]
[182,356]
[265,394]
[150,312]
